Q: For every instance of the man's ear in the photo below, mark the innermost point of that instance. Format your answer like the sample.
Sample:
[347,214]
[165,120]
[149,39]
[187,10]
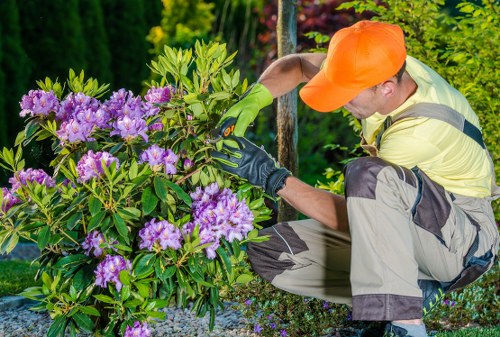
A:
[388,88]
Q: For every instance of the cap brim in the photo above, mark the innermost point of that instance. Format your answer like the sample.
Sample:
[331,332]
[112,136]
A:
[324,96]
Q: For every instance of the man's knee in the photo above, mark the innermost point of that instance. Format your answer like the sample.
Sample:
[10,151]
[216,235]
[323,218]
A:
[265,256]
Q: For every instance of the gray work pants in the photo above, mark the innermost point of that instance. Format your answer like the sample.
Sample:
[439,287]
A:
[403,227]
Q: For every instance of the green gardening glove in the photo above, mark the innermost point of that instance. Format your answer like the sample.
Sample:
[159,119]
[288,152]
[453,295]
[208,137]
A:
[252,163]
[238,117]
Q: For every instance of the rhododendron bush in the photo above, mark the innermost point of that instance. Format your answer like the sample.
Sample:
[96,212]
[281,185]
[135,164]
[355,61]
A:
[131,215]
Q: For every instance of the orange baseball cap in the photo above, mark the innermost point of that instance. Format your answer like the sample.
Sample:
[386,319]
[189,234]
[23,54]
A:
[359,57]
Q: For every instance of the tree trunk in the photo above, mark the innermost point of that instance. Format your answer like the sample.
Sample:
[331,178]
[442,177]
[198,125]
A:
[287,104]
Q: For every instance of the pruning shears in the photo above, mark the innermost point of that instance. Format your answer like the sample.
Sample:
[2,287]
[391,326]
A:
[225,130]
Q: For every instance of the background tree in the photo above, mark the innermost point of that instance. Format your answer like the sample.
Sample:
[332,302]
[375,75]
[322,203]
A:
[126,29]
[52,37]
[16,68]
[97,53]
[287,104]
[183,22]
[3,122]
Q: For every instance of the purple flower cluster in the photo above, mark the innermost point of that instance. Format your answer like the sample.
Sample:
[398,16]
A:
[95,243]
[162,233]
[8,200]
[38,103]
[158,157]
[128,114]
[81,115]
[159,95]
[138,330]
[23,177]
[91,164]
[109,271]
[219,214]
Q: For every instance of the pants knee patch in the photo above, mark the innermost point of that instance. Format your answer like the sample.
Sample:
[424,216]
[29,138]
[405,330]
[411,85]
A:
[264,256]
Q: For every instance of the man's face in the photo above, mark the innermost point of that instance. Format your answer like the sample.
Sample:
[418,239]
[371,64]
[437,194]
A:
[365,104]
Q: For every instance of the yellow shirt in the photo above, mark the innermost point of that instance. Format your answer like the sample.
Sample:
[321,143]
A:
[445,154]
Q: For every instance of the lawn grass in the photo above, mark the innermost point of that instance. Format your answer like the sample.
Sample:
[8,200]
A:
[471,332]
[15,276]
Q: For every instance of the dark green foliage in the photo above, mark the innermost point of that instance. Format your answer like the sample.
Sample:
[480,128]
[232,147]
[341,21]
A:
[3,122]
[16,69]
[152,12]
[52,37]
[97,53]
[127,30]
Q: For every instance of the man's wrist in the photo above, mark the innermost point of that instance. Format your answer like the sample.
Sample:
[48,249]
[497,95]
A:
[276,181]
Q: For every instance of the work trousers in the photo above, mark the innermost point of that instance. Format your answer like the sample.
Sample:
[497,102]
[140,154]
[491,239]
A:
[403,228]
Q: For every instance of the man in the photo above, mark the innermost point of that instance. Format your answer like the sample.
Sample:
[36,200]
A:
[416,219]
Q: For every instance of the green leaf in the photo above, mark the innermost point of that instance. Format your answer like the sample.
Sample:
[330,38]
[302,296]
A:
[71,261]
[121,227]
[83,321]
[149,201]
[180,192]
[96,221]
[125,277]
[143,289]
[227,261]
[43,237]
[144,266]
[105,299]
[94,205]
[133,303]
[90,311]
[73,220]
[161,187]
[57,327]
[244,278]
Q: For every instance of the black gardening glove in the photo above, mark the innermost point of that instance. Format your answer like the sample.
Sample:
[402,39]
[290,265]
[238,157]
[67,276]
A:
[252,163]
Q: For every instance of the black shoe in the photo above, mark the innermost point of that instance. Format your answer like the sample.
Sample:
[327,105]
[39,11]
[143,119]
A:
[373,331]
[432,294]
[394,331]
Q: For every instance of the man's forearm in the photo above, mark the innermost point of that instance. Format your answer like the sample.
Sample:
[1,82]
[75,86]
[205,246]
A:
[323,206]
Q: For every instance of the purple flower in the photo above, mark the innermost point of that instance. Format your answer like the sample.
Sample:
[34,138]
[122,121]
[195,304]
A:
[272,325]
[162,233]
[159,95]
[170,161]
[283,333]
[219,215]
[248,302]
[38,103]
[109,271]
[188,164]
[129,128]
[8,200]
[95,242]
[157,157]
[91,164]
[156,126]
[257,328]
[138,330]
[23,177]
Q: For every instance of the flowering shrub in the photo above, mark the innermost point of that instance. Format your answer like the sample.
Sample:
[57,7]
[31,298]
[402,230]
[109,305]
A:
[131,216]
